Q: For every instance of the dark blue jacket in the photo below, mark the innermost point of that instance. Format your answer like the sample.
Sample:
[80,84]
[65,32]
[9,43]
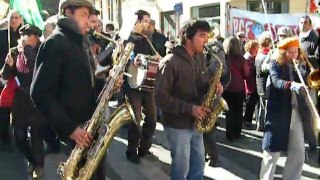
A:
[276,136]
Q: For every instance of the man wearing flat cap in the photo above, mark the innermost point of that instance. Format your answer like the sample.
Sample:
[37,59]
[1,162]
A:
[19,67]
[63,88]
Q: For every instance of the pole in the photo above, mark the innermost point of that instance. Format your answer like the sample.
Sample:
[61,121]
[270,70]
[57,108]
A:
[307,3]
[269,27]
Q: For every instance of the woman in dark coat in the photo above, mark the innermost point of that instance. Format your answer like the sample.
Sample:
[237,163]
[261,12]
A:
[284,129]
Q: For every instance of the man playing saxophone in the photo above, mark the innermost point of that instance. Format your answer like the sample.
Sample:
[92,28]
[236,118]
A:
[181,83]
[63,87]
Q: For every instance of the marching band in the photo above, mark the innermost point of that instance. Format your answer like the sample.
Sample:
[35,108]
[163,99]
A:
[57,84]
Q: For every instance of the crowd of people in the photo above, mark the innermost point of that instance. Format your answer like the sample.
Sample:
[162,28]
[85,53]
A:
[50,84]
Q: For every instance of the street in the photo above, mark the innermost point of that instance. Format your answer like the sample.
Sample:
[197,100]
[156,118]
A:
[237,160]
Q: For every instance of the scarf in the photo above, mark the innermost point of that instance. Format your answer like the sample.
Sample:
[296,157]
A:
[22,63]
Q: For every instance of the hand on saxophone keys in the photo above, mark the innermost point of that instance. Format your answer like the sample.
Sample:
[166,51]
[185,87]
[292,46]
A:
[219,89]
[81,137]
[200,112]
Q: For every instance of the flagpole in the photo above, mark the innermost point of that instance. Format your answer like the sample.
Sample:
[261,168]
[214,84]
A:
[269,27]
[9,41]
[307,3]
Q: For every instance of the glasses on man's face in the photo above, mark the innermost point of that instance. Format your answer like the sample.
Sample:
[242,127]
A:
[241,37]
[283,36]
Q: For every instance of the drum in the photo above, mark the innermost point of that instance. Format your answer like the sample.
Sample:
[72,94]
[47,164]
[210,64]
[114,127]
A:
[143,75]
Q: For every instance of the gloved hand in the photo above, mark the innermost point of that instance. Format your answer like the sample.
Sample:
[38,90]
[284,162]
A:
[298,88]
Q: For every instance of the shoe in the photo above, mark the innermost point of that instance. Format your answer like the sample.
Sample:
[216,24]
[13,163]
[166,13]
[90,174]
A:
[132,157]
[30,168]
[144,153]
[38,173]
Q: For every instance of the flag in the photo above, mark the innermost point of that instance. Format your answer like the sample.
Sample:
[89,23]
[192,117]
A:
[30,10]
[313,6]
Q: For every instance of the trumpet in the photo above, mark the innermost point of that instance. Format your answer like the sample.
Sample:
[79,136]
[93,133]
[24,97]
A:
[313,79]
[119,45]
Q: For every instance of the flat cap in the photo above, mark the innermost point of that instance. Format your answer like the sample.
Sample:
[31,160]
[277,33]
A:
[64,4]
[30,29]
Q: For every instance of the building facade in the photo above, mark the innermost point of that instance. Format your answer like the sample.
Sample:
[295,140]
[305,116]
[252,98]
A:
[121,12]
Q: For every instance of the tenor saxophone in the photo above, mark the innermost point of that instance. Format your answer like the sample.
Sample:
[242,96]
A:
[211,100]
[82,162]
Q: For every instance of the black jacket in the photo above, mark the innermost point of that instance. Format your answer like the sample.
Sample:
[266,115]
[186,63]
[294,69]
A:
[310,46]
[63,84]
[215,48]
[181,82]
[158,41]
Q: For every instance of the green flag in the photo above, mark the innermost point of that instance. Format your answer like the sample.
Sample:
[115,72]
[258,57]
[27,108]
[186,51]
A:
[30,10]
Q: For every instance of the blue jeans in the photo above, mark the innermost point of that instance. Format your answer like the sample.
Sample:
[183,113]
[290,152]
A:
[187,153]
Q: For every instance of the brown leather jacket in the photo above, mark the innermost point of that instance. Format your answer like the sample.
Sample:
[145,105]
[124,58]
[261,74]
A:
[181,82]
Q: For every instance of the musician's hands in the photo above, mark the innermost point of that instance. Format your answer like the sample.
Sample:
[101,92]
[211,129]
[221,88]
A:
[81,137]
[219,89]
[200,112]
[119,83]
[139,27]
[298,88]
[9,60]
[136,61]
[158,57]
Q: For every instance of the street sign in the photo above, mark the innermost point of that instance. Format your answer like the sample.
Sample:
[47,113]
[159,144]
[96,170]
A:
[178,8]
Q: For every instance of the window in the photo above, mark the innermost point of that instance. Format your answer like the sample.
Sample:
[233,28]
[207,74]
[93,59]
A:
[212,10]
[275,6]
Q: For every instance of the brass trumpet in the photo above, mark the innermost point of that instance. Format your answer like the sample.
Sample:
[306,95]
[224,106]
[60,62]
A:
[119,45]
[313,79]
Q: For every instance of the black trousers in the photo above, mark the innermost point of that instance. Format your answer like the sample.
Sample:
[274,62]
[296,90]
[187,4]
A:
[234,117]
[252,100]
[210,146]
[51,139]
[137,138]
[24,115]
[5,137]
